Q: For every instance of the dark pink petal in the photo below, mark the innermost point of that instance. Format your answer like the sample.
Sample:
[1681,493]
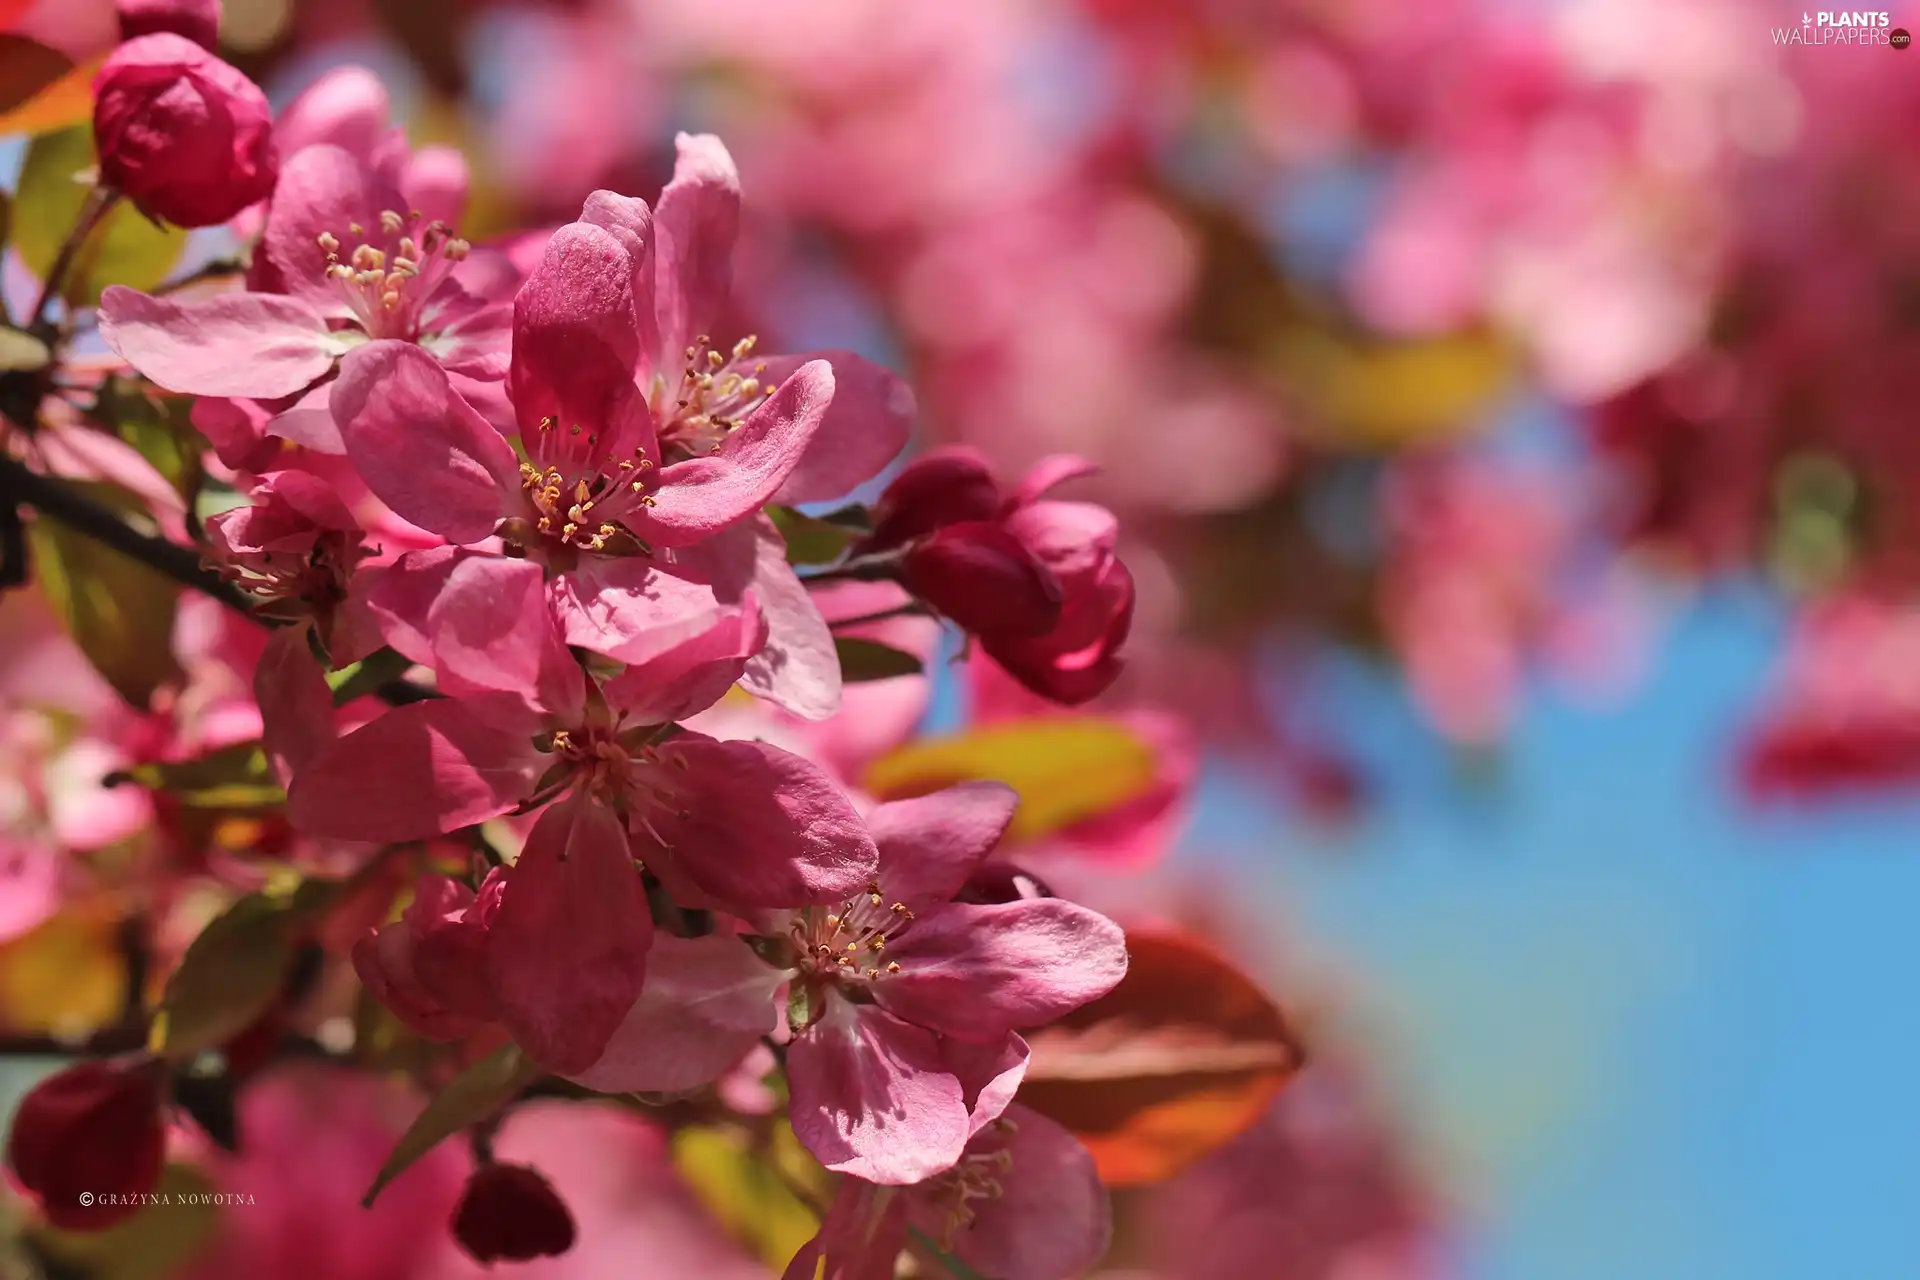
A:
[1048,474]
[706,1003]
[942,486]
[309,423]
[449,928]
[797,668]
[631,222]
[419,446]
[860,1239]
[491,631]
[1052,1219]
[632,611]
[699,497]
[237,429]
[567,946]
[323,189]
[762,827]
[695,226]
[255,345]
[690,677]
[296,706]
[1080,658]
[983,578]
[417,771]
[384,963]
[399,597]
[978,972]
[870,1096]
[574,346]
[865,428]
[930,844]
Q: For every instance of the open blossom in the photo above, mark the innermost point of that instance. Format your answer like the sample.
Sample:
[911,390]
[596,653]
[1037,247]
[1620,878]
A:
[906,1003]
[1037,580]
[182,134]
[645,454]
[565,947]
[1024,1203]
[352,264]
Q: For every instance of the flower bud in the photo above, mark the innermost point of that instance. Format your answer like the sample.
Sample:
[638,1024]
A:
[510,1211]
[983,578]
[185,136]
[95,1131]
[941,487]
[197,20]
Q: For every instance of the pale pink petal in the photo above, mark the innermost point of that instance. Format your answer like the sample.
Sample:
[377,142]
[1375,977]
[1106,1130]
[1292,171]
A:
[417,771]
[691,677]
[978,972]
[865,428]
[695,226]
[309,423]
[762,827]
[347,108]
[706,1003]
[870,1096]
[491,630]
[434,182]
[798,668]
[1049,473]
[930,844]
[323,189]
[29,885]
[632,611]
[256,345]
[296,706]
[698,497]
[567,946]
[419,446]
[989,1073]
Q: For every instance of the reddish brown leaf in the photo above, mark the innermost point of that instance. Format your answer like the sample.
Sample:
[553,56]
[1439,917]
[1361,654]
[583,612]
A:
[1181,1057]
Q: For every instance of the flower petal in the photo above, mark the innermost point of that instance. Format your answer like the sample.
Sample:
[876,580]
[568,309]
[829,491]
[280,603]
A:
[930,844]
[255,345]
[417,771]
[296,706]
[575,349]
[865,428]
[420,447]
[762,827]
[707,1002]
[1053,1217]
[798,668]
[632,611]
[690,677]
[978,972]
[492,631]
[323,189]
[698,497]
[309,423]
[695,226]
[870,1096]
[567,946]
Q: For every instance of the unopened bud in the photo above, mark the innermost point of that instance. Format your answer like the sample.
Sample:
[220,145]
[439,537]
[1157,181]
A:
[89,1141]
[511,1212]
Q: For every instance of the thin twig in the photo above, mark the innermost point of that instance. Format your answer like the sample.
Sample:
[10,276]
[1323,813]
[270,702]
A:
[912,610]
[99,203]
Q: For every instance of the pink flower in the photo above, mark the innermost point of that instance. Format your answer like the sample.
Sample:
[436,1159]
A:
[741,824]
[1024,1203]
[349,267]
[182,134]
[294,547]
[906,1003]
[1038,581]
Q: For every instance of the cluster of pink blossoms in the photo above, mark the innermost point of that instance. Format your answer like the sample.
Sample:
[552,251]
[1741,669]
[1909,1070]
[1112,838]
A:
[540,479]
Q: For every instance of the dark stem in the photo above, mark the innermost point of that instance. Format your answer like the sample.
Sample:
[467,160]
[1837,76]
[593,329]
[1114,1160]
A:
[218,269]
[99,203]
[913,610]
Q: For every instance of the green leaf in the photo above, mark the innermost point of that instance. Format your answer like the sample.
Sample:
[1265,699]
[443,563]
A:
[753,1193]
[116,609]
[469,1098]
[158,427]
[125,249]
[358,679]
[21,352]
[235,970]
[235,777]
[862,660]
[811,540]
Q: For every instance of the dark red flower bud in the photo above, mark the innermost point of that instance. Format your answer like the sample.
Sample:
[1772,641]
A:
[197,20]
[511,1212]
[1080,658]
[185,136]
[89,1139]
[941,487]
[983,578]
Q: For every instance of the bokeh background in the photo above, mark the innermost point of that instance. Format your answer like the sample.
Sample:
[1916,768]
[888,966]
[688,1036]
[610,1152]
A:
[1512,407]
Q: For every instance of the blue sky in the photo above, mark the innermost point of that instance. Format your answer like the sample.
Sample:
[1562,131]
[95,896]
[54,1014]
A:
[1643,1030]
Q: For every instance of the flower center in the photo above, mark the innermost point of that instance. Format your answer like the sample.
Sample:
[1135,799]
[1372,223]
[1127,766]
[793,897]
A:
[717,390]
[977,1177]
[633,779]
[585,514]
[848,941]
[290,585]
[388,296]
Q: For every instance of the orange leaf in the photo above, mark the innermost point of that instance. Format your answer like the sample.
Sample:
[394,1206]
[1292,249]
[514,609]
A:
[1177,1060]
